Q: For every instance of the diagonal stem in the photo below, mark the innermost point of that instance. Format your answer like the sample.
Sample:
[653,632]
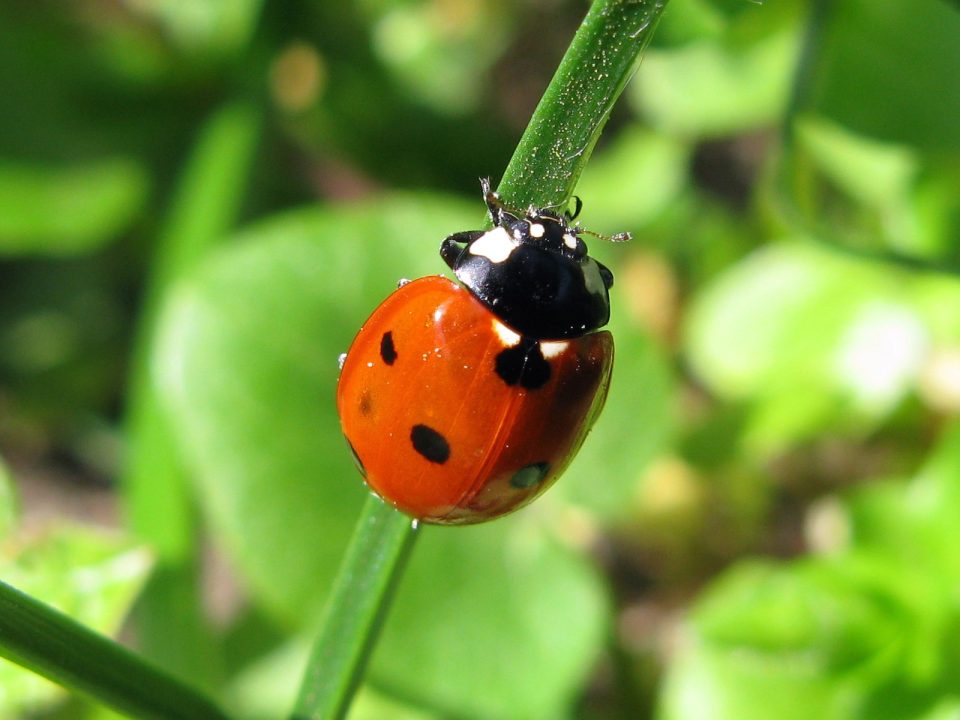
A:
[564,128]
[49,643]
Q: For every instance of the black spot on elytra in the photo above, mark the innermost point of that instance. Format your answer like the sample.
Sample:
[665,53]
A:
[523,365]
[356,457]
[530,475]
[429,443]
[366,404]
[387,349]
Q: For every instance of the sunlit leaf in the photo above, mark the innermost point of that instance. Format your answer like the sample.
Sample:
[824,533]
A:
[62,211]
[215,26]
[813,336]
[872,172]
[480,606]
[635,426]
[881,197]
[440,52]
[814,638]
[718,86]
[914,522]
[90,575]
[630,181]
[8,503]
[881,68]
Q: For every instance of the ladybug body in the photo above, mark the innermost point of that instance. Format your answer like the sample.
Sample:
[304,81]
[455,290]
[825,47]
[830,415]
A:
[464,402]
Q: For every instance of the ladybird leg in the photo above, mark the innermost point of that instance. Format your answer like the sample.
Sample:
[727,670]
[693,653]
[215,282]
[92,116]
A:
[500,214]
[450,248]
[492,198]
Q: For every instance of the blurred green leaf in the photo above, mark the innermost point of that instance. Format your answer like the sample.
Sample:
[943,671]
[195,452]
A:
[631,180]
[263,688]
[811,639]
[946,709]
[67,211]
[478,608]
[9,510]
[745,328]
[878,197]
[441,52]
[636,425]
[866,633]
[872,172]
[815,336]
[709,684]
[212,26]
[370,705]
[88,574]
[937,298]
[690,20]
[718,86]
[914,523]
[881,69]
[933,222]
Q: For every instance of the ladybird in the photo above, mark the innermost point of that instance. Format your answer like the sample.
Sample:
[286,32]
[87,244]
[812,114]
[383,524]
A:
[463,401]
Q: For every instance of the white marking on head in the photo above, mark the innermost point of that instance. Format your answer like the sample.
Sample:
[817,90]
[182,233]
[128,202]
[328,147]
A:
[495,245]
[536,230]
[507,336]
[553,348]
[570,241]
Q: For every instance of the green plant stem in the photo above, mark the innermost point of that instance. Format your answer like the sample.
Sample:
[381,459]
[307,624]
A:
[543,171]
[361,595]
[564,128]
[49,643]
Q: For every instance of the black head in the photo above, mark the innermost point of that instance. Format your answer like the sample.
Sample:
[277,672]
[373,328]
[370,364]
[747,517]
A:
[533,271]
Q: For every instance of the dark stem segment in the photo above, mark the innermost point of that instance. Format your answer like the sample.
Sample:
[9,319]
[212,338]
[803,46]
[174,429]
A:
[49,643]
[557,143]
[355,611]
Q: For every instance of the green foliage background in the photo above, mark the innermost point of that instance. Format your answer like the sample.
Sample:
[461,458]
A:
[201,201]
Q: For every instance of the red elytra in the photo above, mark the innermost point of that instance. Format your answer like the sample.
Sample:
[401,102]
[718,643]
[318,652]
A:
[455,419]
